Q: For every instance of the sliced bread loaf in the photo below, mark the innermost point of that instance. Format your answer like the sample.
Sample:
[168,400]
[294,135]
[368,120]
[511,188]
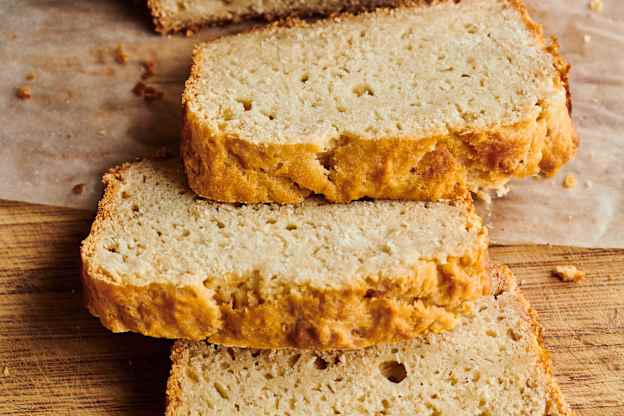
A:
[165,263]
[174,15]
[492,363]
[417,103]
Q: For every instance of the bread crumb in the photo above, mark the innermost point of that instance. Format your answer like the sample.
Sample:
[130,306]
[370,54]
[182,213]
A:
[589,184]
[484,196]
[101,132]
[78,189]
[501,191]
[148,93]
[6,372]
[596,5]
[121,57]
[586,38]
[569,273]
[24,93]
[30,76]
[138,89]
[149,69]
[569,181]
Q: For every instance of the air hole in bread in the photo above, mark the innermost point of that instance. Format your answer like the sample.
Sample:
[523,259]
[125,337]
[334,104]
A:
[491,333]
[292,360]
[271,221]
[113,248]
[320,363]
[291,227]
[452,379]
[386,404]
[393,371]
[135,208]
[471,28]
[125,194]
[246,103]
[363,89]
[304,78]
[221,390]
[514,335]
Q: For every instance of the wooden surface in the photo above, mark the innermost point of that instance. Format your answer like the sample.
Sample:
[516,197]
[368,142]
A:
[56,359]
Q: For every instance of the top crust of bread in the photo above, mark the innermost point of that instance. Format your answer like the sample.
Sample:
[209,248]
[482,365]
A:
[420,103]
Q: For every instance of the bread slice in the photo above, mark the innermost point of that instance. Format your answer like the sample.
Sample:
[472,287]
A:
[165,263]
[493,363]
[417,103]
[175,15]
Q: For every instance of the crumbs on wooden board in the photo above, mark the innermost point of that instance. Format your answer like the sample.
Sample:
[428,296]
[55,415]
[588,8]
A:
[6,372]
[569,273]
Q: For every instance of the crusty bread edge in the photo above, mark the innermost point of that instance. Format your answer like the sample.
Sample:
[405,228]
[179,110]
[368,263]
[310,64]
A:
[540,146]
[167,25]
[312,316]
[503,281]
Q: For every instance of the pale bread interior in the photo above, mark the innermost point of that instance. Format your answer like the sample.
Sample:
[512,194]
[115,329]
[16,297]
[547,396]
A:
[153,229]
[411,73]
[491,364]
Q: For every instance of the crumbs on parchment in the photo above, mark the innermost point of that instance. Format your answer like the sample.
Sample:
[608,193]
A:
[569,181]
[120,54]
[24,92]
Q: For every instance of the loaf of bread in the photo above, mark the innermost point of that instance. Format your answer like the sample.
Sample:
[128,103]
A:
[175,15]
[415,103]
[492,363]
[163,262]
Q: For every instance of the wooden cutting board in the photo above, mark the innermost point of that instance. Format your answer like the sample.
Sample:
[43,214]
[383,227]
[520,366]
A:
[55,359]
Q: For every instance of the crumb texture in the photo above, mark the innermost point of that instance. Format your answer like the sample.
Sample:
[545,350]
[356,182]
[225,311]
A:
[314,274]
[468,92]
[491,364]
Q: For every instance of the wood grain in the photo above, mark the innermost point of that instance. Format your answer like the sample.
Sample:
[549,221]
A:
[56,359]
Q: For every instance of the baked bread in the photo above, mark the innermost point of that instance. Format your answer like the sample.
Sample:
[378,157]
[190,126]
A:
[175,15]
[163,262]
[416,103]
[493,363]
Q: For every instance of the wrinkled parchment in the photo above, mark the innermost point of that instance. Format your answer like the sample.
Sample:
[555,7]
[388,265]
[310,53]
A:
[83,118]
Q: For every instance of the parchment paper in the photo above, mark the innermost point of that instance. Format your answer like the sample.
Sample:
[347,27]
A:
[83,118]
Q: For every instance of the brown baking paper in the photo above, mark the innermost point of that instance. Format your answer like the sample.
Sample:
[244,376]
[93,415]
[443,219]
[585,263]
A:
[82,116]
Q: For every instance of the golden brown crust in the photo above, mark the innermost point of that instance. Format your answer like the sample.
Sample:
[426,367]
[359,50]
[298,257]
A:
[378,309]
[555,404]
[232,170]
[169,24]
[386,310]
[444,167]
[503,280]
